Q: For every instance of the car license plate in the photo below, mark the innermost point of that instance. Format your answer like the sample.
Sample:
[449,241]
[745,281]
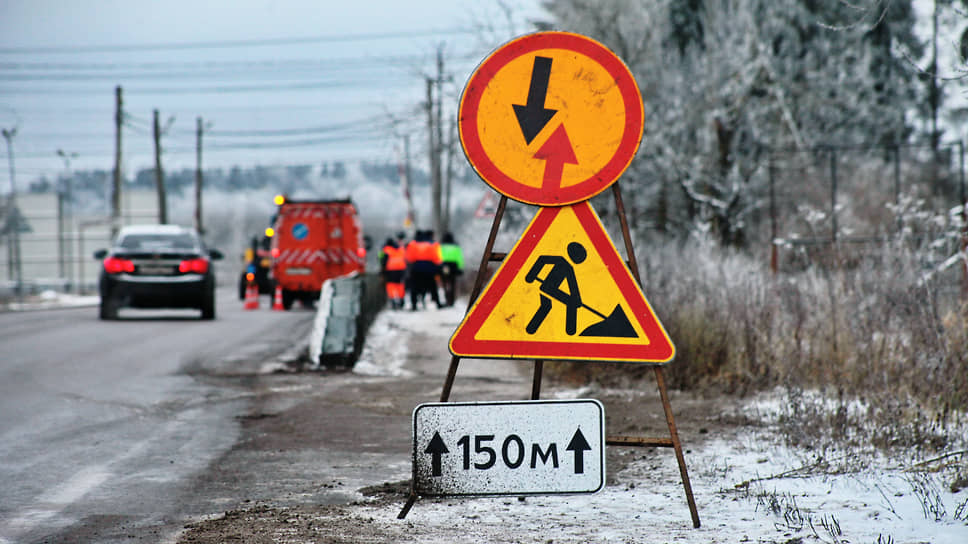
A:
[298,271]
[155,270]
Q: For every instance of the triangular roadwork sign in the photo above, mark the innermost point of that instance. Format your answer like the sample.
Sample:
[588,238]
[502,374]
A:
[563,292]
[487,207]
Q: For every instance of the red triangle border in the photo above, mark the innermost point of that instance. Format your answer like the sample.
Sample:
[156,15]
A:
[659,350]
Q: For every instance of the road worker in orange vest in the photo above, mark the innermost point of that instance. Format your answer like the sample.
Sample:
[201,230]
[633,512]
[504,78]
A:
[424,260]
[393,267]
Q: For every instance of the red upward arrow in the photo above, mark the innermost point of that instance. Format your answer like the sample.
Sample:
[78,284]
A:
[556,152]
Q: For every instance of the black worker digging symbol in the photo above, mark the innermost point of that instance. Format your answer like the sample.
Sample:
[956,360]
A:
[562,272]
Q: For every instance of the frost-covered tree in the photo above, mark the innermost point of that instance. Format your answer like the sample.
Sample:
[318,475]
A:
[724,80]
[943,69]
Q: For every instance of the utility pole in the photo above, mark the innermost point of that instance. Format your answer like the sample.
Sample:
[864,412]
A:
[66,219]
[198,175]
[935,99]
[833,195]
[116,186]
[13,213]
[964,221]
[441,221]
[935,93]
[405,181]
[159,175]
[449,172]
[432,155]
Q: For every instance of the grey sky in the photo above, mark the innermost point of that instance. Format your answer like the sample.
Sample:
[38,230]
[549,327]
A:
[265,74]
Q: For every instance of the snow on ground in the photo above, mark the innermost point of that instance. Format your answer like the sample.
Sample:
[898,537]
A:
[385,350]
[748,488]
[879,505]
[50,299]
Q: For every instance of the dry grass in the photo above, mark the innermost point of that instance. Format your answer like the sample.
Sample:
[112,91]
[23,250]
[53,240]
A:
[869,355]
[876,329]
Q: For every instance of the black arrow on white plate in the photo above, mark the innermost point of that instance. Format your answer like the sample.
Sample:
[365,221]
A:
[436,448]
[579,445]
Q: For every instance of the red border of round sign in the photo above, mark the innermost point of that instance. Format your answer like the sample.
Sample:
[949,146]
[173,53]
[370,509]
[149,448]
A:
[601,180]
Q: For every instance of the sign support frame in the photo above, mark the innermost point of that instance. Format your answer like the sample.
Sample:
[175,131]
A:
[672,441]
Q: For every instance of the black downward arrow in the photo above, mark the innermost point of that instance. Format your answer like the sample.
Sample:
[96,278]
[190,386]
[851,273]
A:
[533,116]
[579,445]
[436,448]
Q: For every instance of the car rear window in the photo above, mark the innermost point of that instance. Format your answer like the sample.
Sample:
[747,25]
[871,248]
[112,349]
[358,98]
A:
[156,242]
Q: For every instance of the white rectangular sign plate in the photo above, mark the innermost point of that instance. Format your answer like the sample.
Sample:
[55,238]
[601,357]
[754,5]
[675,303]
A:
[509,448]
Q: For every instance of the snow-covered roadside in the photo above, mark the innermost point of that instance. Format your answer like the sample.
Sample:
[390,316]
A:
[748,488]
[385,350]
[46,300]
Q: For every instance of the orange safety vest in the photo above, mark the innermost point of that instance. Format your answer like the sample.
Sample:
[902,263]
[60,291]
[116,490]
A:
[423,251]
[395,258]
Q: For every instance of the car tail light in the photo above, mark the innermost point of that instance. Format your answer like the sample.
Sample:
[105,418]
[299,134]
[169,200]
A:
[114,265]
[198,266]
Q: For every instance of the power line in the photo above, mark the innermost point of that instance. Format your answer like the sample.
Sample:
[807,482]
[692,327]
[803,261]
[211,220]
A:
[234,43]
[298,131]
[130,118]
[346,128]
[88,112]
[207,89]
[211,74]
[268,64]
[360,130]
[291,143]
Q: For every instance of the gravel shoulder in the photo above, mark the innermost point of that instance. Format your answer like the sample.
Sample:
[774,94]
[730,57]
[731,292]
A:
[318,443]
[325,457]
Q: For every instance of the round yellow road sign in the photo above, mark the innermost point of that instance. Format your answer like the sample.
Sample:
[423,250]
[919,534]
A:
[551,118]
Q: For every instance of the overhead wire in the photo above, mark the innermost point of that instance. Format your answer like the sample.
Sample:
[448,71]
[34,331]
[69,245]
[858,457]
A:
[296,131]
[234,43]
[246,76]
[199,89]
[16,71]
[291,143]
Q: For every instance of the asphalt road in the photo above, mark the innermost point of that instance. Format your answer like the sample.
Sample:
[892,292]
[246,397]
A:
[104,426]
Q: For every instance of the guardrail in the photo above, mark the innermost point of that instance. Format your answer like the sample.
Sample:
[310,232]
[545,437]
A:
[346,308]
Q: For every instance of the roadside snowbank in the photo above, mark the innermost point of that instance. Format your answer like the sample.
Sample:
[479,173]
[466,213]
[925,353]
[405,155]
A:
[48,299]
[749,487]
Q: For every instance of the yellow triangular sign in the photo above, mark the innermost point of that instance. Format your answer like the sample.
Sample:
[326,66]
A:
[563,292]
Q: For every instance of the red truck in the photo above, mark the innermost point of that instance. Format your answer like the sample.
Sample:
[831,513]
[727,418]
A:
[312,241]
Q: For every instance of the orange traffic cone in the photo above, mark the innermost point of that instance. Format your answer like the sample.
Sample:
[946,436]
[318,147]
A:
[251,296]
[277,299]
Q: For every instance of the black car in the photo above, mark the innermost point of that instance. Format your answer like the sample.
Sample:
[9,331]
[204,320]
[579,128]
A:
[157,266]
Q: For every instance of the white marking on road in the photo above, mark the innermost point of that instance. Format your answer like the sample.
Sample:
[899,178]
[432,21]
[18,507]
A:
[54,501]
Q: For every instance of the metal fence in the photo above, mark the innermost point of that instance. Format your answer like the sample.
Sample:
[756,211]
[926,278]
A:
[832,203]
[47,245]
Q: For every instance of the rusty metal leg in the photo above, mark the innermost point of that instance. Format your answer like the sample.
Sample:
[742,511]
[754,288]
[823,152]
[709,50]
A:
[476,291]
[659,378]
[536,383]
[449,381]
[674,434]
[406,507]
[488,248]
[626,234]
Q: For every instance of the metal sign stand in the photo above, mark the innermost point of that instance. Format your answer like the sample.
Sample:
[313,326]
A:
[630,441]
